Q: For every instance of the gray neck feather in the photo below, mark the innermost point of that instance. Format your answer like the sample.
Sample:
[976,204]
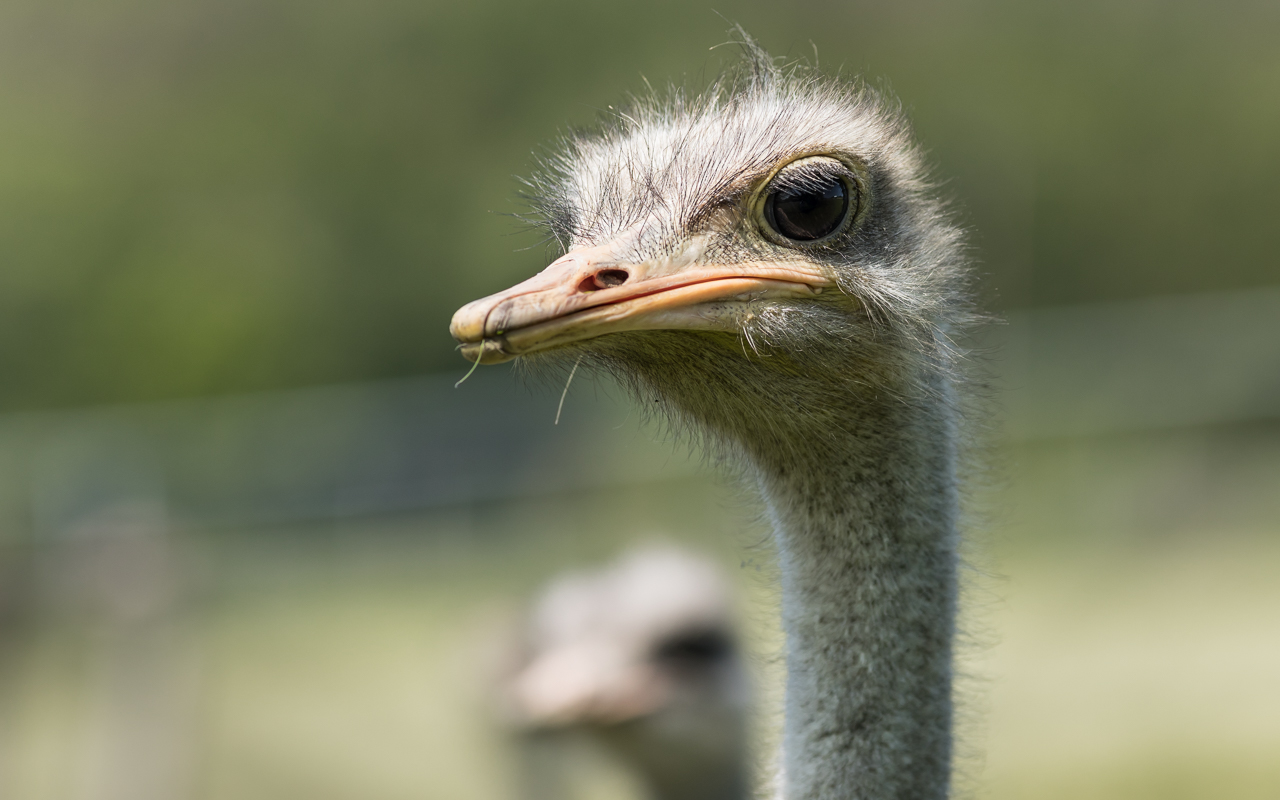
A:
[867,551]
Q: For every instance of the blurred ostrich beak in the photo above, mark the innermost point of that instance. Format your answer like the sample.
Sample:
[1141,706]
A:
[590,292]
[586,685]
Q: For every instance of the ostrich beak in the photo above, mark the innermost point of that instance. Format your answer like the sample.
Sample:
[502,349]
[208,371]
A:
[590,292]
[585,685]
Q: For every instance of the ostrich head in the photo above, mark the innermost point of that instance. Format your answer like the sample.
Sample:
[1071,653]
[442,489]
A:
[725,249]
[641,657]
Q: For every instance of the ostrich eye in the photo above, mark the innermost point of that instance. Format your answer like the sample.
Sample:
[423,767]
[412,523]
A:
[809,200]
[807,214]
[694,647]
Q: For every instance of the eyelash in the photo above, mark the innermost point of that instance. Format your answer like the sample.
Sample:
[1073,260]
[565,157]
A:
[810,177]
[806,179]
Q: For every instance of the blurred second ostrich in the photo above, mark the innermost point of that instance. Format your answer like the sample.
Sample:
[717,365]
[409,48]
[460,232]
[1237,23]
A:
[641,658]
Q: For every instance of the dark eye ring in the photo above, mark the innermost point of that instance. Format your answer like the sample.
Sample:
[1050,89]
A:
[809,200]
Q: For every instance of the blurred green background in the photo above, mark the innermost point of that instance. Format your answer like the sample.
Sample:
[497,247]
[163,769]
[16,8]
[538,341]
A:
[248,542]
[205,197]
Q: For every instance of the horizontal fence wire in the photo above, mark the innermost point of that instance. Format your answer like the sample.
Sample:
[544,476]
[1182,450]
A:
[406,445]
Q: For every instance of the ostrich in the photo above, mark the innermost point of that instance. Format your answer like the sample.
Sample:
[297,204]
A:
[765,263]
[640,657]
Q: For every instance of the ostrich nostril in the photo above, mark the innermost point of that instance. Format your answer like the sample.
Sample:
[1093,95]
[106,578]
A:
[612,277]
[604,279]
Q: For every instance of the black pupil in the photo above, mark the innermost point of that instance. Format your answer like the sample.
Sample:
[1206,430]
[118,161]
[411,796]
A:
[808,215]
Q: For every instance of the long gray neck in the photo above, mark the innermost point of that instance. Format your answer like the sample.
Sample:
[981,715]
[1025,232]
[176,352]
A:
[866,532]
[856,459]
